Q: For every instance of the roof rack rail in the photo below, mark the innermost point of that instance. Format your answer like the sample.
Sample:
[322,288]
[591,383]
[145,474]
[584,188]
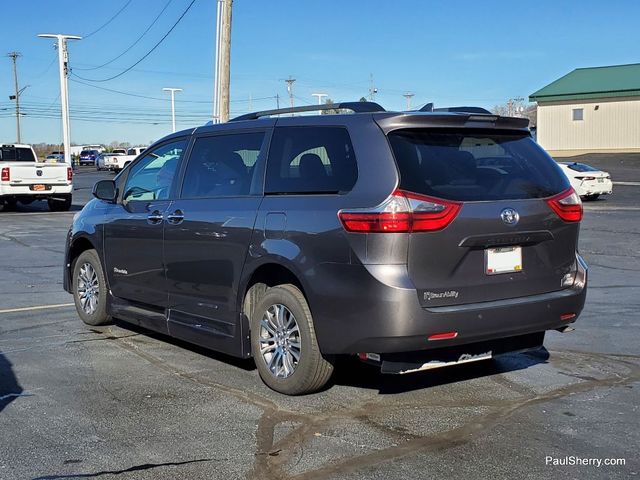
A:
[356,107]
[429,108]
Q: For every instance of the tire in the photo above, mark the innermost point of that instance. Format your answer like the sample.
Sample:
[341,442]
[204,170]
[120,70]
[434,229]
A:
[312,371]
[10,205]
[62,205]
[96,313]
[592,197]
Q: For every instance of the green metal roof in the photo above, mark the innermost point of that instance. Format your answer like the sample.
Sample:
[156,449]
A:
[593,82]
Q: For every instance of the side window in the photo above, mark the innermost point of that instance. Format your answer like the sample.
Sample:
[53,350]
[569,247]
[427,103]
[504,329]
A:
[151,177]
[222,165]
[311,160]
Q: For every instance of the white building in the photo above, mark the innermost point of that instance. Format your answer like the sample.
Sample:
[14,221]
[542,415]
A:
[590,110]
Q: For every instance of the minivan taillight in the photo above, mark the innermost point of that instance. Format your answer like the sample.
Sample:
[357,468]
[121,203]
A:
[567,205]
[6,175]
[69,174]
[402,212]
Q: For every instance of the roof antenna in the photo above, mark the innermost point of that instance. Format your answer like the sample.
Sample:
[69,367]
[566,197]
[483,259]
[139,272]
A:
[427,108]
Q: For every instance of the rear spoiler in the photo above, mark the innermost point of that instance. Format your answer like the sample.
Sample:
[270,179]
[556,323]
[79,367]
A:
[430,108]
[394,121]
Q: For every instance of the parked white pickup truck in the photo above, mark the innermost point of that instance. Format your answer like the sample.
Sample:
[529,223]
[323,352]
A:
[119,158]
[24,179]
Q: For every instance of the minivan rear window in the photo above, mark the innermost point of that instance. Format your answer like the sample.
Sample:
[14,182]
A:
[475,165]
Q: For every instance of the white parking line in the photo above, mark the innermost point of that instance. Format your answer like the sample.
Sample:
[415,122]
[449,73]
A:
[633,184]
[38,307]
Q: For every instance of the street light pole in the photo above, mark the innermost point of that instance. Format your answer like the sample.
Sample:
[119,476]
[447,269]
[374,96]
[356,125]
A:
[408,96]
[173,108]
[63,63]
[320,96]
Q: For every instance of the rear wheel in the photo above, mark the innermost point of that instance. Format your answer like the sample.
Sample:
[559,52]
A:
[60,204]
[90,289]
[284,344]
[10,205]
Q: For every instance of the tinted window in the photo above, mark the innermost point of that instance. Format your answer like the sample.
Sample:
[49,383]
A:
[151,177]
[581,167]
[475,165]
[222,166]
[311,160]
[19,154]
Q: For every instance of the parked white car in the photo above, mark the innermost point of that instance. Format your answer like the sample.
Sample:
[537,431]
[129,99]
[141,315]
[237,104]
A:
[24,179]
[119,158]
[587,181]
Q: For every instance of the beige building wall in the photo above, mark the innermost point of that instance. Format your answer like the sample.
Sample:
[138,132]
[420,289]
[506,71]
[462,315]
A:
[608,125]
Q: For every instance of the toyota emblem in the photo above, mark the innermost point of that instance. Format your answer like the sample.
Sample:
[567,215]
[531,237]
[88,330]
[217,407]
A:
[509,216]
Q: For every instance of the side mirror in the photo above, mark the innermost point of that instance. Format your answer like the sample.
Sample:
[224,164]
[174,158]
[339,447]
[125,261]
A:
[105,190]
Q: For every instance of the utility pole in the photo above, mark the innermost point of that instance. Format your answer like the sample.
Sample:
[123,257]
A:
[173,107]
[277,101]
[63,64]
[290,81]
[408,96]
[319,95]
[14,56]
[222,63]
[372,89]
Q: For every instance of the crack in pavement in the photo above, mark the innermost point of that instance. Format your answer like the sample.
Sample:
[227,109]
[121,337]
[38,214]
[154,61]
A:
[135,468]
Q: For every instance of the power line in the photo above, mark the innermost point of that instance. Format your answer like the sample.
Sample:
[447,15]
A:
[133,44]
[146,54]
[108,21]
[131,94]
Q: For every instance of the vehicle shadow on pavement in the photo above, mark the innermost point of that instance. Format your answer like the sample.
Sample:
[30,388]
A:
[244,364]
[10,389]
[37,206]
[351,372]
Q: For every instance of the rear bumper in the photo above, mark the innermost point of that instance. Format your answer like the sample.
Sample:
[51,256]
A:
[356,312]
[24,191]
[595,188]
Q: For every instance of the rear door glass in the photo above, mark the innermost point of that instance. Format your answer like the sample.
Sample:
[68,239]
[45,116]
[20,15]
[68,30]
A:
[475,165]
[19,154]
[308,160]
[224,166]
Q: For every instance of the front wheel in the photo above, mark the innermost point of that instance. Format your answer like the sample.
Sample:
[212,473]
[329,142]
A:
[284,344]
[90,289]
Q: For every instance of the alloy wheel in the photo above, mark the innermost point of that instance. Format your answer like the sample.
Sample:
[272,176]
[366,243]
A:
[280,341]
[88,288]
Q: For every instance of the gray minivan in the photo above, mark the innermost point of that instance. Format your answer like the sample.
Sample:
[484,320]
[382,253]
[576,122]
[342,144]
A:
[411,239]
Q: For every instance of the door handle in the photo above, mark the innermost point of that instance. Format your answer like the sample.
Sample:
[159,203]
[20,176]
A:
[155,217]
[176,217]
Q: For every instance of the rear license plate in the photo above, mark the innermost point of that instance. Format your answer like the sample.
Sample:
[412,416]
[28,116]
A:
[503,260]
[39,188]
[601,180]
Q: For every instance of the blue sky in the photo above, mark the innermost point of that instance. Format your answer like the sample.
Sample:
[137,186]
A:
[448,52]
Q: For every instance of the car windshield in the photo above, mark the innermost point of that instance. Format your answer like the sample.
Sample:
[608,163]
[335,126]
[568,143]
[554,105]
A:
[475,165]
[580,167]
[16,154]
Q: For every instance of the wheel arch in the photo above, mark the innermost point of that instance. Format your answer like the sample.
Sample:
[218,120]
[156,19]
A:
[265,275]
[76,247]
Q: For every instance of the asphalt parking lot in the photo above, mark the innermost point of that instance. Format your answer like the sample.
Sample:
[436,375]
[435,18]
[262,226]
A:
[119,402]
